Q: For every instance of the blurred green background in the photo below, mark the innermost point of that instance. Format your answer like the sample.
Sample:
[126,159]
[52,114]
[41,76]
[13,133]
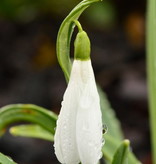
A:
[29,72]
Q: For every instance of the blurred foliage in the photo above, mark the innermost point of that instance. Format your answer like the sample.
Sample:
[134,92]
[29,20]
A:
[5,159]
[27,10]
[102,15]
[120,156]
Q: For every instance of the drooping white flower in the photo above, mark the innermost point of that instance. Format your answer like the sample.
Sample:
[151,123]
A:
[78,136]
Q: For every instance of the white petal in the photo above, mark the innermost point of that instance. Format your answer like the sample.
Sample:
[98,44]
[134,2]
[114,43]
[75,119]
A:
[65,135]
[78,134]
[89,121]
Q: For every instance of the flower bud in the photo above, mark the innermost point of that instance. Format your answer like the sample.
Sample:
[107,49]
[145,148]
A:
[82,46]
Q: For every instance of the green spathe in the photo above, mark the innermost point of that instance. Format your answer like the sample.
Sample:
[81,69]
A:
[82,46]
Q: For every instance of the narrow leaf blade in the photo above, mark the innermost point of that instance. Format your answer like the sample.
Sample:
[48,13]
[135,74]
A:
[121,154]
[27,112]
[151,70]
[5,159]
[33,131]
[109,118]
[110,147]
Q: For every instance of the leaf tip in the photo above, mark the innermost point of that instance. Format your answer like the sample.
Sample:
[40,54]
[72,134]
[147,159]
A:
[126,142]
[12,131]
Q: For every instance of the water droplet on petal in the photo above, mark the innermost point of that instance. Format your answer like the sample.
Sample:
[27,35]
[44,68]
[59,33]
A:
[103,142]
[100,156]
[104,128]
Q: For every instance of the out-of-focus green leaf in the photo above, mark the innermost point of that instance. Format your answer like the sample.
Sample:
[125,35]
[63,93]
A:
[110,148]
[27,112]
[45,121]
[34,131]
[28,10]
[151,71]
[102,15]
[109,118]
[5,159]
[121,155]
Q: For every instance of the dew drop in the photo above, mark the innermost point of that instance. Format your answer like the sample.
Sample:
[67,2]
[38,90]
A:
[103,142]
[62,103]
[100,155]
[104,128]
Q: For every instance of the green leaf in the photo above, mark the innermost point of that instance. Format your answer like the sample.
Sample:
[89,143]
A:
[114,135]
[109,117]
[121,154]
[64,36]
[27,112]
[151,71]
[45,121]
[5,159]
[110,147]
[34,131]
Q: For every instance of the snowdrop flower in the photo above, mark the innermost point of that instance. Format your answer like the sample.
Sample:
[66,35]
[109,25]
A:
[78,136]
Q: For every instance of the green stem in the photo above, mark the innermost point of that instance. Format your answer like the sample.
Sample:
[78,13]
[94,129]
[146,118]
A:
[78,25]
[151,71]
